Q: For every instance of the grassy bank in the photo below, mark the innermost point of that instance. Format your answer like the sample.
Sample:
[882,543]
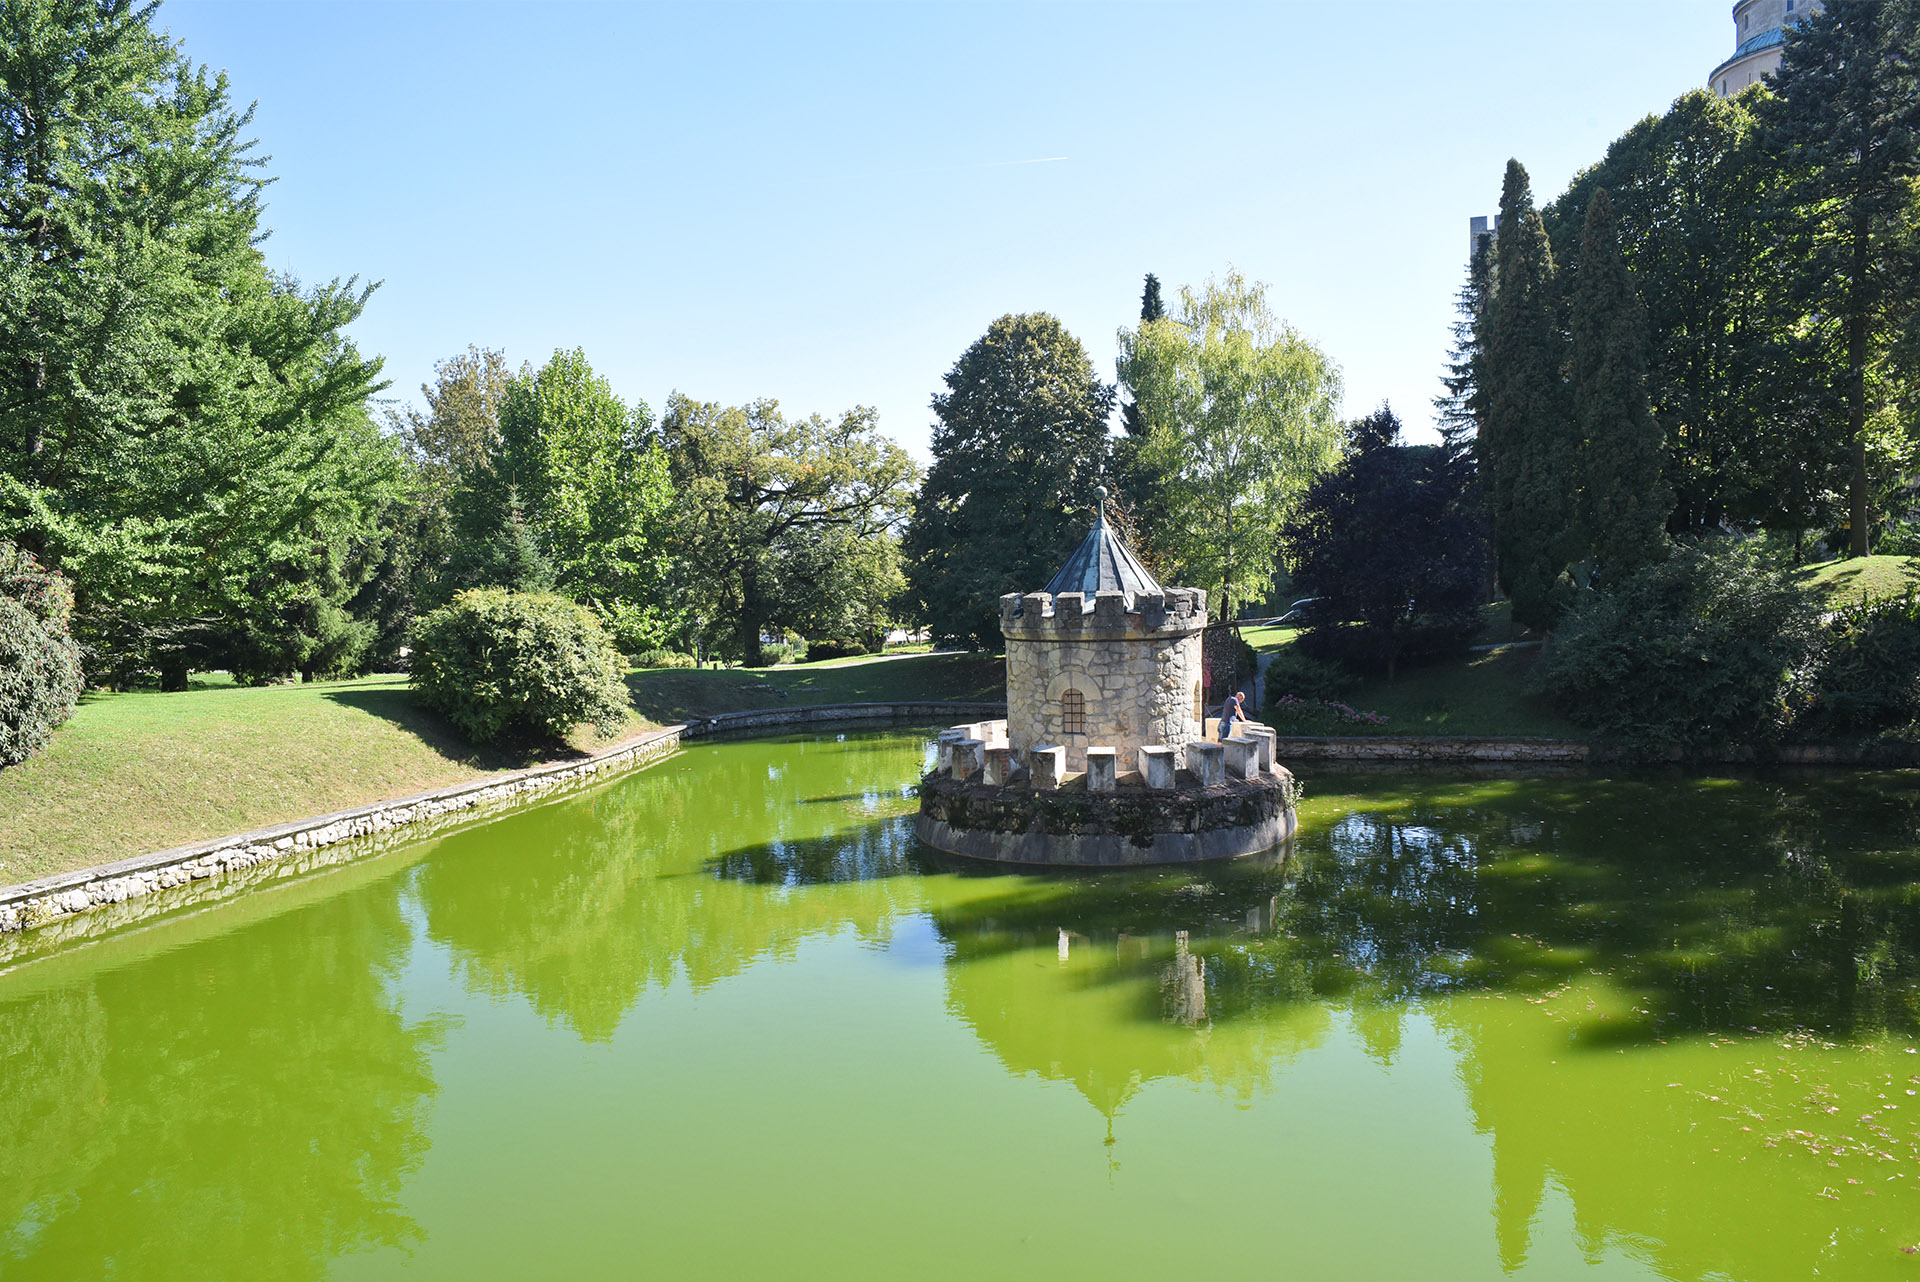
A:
[1482,694]
[143,771]
[1865,578]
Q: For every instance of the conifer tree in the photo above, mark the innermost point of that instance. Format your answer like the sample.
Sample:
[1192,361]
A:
[1525,446]
[1846,122]
[1151,308]
[1457,407]
[1624,497]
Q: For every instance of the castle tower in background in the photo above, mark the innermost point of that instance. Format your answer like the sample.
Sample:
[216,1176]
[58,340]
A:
[1759,38]
[1759,35]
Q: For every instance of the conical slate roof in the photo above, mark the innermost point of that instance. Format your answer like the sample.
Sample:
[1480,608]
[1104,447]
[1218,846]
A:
[1103,564]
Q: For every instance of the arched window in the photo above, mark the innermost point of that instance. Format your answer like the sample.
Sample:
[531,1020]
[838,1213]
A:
[1073,713]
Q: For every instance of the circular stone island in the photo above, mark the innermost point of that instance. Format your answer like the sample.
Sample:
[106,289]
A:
[1104,759]
[1072,825]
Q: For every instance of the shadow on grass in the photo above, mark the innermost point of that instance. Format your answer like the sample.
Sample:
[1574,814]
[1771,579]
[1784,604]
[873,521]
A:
[397,706]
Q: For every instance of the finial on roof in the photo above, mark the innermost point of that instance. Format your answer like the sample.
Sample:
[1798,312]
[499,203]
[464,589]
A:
[1101,490]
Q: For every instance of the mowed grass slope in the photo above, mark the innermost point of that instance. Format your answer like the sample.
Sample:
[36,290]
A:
[137,772]
[1865,578]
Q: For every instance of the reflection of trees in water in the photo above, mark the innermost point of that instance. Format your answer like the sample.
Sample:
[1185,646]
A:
[1727,906]
[696,868]
[252,1101]
[1553,931]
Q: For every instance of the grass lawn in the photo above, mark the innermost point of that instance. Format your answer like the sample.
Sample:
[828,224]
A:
[1865,578]
[1479,695]
[143,771]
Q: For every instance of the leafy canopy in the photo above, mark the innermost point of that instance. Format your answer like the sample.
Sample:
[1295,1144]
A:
[1240,416]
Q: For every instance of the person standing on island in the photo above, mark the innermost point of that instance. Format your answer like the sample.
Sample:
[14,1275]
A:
[1230,712]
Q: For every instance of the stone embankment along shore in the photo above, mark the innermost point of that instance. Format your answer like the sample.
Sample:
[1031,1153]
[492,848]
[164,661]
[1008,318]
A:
[1420,748]
[1567,752]
[222,867]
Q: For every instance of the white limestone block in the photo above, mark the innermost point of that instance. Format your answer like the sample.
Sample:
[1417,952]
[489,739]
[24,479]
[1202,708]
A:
[1158,765]
[1101,773]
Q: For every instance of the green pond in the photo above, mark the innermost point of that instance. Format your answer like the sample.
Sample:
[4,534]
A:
[723,1018]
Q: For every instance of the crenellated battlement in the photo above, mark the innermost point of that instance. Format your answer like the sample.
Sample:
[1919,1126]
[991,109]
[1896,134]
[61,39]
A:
[1072,616]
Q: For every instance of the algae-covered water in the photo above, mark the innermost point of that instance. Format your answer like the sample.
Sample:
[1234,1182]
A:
[722,1018]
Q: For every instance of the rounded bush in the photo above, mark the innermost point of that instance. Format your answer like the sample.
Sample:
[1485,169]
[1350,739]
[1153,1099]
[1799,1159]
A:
[40,677]
[662,659]
[835,648]
[1712,649]
[501,664]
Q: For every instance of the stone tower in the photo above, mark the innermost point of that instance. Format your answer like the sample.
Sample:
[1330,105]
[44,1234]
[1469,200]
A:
[1103,657]
[1759,38]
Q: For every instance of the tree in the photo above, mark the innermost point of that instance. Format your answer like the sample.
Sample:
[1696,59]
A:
[1240,414]
[172,416]
[1390,543]
[1151,309]
[40,676]
[1845,124]
[1525,446]
[767,502]
[593,482]
[1019,444]
[1624,499]
[1695,199]
[1457,408]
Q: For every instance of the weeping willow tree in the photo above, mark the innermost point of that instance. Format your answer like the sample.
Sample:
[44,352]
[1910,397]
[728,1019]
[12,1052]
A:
[1241,416]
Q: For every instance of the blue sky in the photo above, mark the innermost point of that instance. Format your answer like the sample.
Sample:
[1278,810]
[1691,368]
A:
[826,204]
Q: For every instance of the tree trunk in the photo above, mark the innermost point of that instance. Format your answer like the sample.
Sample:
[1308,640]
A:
[1857,384]
[173,675]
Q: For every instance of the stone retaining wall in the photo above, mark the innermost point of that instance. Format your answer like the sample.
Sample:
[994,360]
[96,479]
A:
[1384,748]
[91,900]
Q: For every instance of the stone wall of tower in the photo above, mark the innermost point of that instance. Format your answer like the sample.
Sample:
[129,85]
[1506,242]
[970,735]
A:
[1137,672]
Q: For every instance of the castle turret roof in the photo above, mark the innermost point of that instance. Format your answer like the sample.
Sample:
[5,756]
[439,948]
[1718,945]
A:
[1103,564]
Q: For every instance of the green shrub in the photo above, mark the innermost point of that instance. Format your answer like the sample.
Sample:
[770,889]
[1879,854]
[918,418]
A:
[663,659]
[1870,678]
[835,648]
[39,663]
[1292,715]
[790,650]
[501,664]
[1712,649]
[1291,672]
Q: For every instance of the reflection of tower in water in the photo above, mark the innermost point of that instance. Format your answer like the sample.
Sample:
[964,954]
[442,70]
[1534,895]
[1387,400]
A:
[1112,1010]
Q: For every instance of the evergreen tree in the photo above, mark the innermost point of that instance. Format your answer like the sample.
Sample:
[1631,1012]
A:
[1458,405]
[1151,308]
[1624,498]
[1693,193]
[1525,446]
[175,421]
[1845,123]
[1019,444]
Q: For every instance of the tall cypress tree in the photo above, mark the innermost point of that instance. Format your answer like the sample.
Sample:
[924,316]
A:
[1525,445]
[1624,496]
[1151,308]
[1846,122]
